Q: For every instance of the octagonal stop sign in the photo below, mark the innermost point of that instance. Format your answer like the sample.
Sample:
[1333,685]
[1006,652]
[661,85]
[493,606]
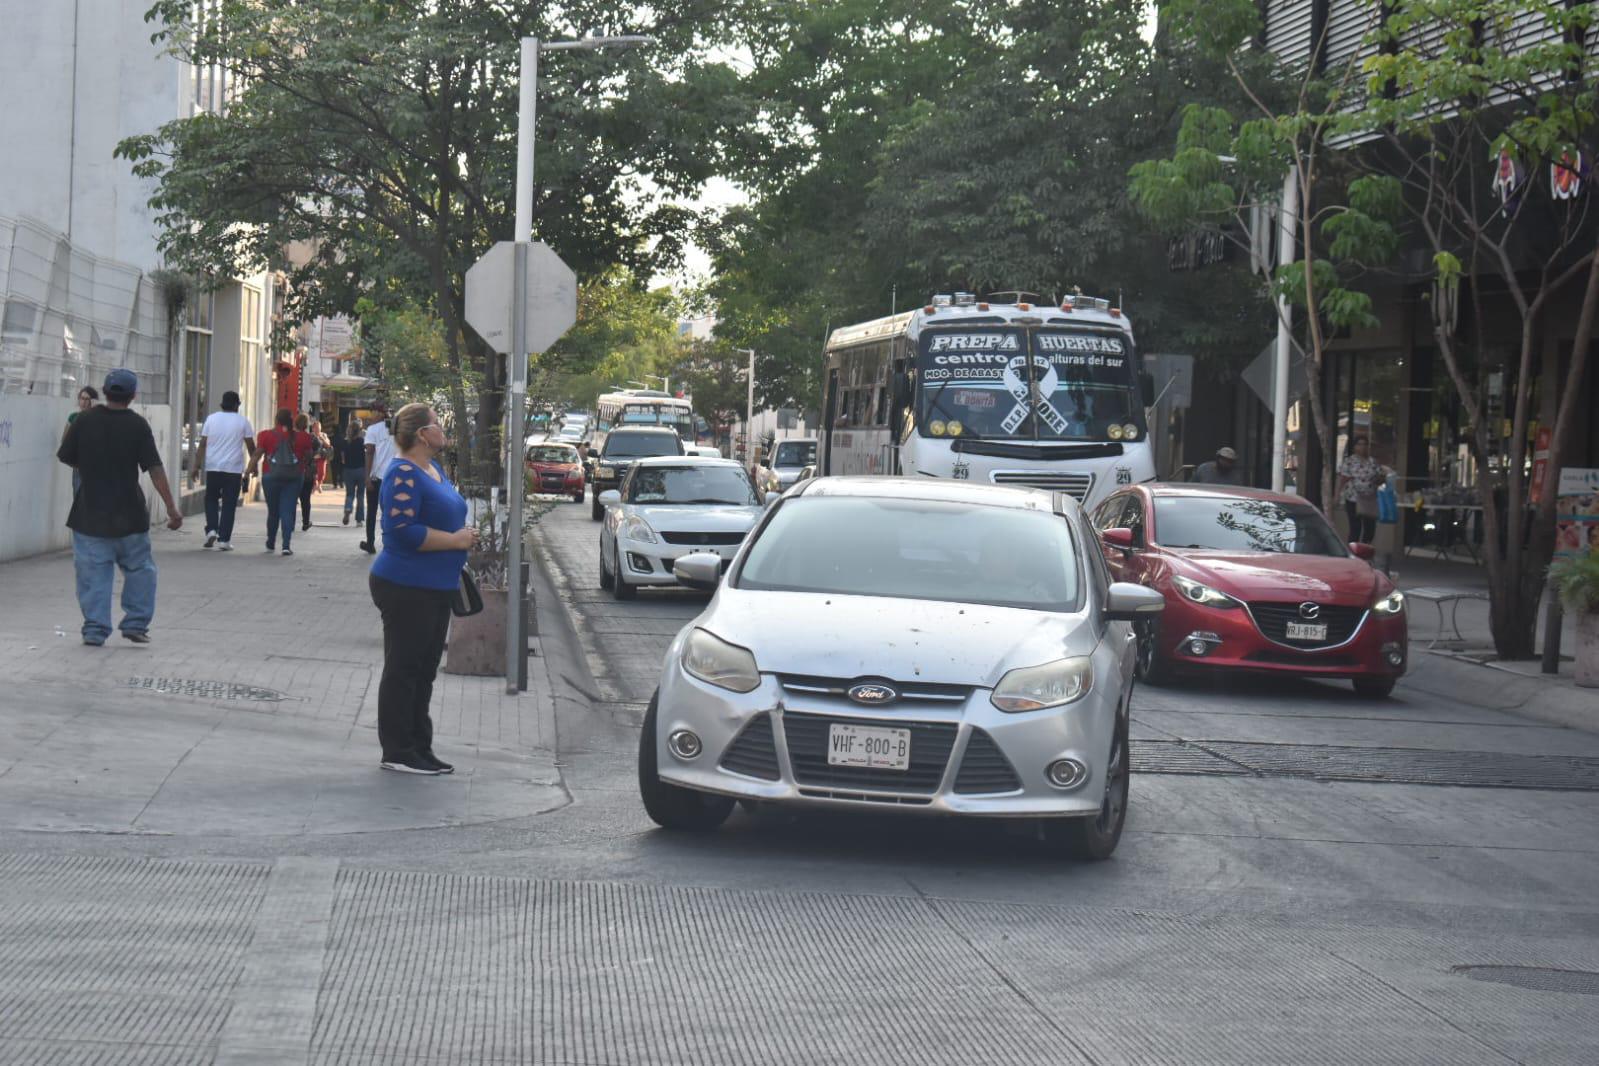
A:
[548,297]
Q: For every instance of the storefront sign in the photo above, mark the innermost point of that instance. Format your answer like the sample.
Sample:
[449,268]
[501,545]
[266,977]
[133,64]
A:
[1577,511]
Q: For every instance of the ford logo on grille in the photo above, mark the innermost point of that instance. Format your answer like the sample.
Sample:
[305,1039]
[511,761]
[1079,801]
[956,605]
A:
[1309,610]
[873,693]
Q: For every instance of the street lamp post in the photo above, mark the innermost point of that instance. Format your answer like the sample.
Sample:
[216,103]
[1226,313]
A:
[516,380]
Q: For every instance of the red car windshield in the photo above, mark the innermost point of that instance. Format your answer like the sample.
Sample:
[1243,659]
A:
[1232,524]
[549,454]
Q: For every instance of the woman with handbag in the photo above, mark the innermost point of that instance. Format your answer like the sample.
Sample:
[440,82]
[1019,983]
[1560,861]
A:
[413,582]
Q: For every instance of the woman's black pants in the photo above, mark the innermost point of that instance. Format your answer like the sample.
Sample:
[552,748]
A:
[1362,527]
[416,622]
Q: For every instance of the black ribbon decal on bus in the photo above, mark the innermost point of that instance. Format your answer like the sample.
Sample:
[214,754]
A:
[1027,396]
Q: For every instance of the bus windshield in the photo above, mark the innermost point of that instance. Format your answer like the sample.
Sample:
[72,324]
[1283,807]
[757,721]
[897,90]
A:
[1007,382]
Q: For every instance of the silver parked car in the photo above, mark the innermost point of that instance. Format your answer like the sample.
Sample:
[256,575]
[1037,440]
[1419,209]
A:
[925,646]
[670,507]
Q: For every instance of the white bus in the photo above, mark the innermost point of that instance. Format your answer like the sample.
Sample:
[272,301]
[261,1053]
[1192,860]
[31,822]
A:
[1004,393]
[642,407]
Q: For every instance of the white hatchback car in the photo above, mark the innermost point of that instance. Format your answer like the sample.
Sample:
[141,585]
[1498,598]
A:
[670,506]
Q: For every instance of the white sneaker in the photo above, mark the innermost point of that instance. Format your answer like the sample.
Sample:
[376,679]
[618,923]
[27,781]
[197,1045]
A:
[210,539]
[224,547]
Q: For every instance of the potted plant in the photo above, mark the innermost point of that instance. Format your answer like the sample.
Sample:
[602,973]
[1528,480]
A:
[1576,578]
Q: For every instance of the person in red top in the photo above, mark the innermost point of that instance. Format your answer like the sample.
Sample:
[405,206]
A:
[287,453]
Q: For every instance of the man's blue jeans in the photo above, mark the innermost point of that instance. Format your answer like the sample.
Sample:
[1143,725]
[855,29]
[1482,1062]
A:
[96,560]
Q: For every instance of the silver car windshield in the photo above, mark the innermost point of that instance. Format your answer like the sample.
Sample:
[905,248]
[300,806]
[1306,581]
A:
[918,550]
[691,484]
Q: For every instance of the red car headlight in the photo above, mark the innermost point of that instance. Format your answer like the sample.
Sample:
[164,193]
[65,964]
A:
[1203,595]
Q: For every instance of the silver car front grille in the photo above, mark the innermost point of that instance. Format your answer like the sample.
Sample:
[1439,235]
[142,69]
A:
[1077,486]
[909,691]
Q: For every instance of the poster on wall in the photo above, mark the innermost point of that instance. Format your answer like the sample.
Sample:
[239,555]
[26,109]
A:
[1577,511]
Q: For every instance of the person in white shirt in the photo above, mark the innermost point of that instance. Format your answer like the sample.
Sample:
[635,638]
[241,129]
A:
[224,439]
[380,452]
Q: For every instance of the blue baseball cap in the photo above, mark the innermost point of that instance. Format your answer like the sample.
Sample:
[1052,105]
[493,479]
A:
[121,382]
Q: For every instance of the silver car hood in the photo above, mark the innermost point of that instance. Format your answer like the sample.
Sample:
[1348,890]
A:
[697,517]
[902,640]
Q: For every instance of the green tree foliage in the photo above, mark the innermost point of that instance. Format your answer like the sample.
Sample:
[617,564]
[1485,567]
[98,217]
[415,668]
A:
[380,136]
[624,332]
[1229,161]
[960,146]
[714,374]
[1450,85]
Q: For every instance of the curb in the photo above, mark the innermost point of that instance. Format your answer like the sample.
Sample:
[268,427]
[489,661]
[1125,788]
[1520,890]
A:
[1493,688]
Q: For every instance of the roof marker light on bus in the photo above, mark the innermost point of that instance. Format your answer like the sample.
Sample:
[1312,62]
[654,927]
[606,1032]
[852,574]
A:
[1024,307]
[929,309]
[1115,312]
[982,307]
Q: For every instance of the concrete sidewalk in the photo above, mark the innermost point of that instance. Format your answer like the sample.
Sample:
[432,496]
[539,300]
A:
[254,709]
[1467,671]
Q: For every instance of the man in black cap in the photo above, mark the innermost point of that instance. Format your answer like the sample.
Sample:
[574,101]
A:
[1222,470]
[110,523]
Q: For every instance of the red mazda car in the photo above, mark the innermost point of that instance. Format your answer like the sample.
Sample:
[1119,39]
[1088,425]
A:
[1254,581]
[555,469]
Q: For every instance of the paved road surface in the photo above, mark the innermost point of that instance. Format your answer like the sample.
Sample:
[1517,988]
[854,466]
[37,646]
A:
[189,876]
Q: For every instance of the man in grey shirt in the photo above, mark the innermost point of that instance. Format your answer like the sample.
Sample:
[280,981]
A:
[1222,470]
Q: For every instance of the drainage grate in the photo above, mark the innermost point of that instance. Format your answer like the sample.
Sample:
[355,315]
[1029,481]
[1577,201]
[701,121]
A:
[1177,757]
[1536,978]
[1400,766]
[207,690]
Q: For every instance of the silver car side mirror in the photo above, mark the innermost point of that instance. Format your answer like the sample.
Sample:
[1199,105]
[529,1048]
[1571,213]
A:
[1126,602]
[698,570]
[610,498]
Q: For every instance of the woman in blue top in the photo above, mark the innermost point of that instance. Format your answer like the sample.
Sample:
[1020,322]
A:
[425,541]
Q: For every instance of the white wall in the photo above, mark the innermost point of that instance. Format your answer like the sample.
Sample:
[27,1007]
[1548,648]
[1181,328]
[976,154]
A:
[63,119]
[35,489]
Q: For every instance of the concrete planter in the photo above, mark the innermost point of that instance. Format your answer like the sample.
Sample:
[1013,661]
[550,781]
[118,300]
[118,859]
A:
[1588,649]
[477,642]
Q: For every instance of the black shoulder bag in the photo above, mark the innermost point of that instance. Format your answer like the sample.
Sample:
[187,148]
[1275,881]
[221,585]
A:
[467,600]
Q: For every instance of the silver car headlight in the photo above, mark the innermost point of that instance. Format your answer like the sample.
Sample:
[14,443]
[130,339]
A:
[1033,688]
[1202,594]
[635,528]
[716,662]
[1393,603]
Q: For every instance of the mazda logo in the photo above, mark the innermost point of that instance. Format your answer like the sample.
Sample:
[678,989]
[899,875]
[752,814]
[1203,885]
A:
[873,693]
[1310,610]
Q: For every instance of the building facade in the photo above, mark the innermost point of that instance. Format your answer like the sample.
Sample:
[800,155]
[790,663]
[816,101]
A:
[81,288]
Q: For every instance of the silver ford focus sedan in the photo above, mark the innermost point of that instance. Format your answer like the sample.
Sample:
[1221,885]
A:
[916,645]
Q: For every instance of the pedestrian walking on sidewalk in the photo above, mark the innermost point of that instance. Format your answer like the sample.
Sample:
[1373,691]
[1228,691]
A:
[303,424]
[288,459]
[108,446]
[225,438]
[352,456]
[379,453]
[323,450]
[425,541]
[87,397]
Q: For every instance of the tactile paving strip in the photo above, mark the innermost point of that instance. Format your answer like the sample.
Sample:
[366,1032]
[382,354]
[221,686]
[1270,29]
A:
[120,960]
[1399,766]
